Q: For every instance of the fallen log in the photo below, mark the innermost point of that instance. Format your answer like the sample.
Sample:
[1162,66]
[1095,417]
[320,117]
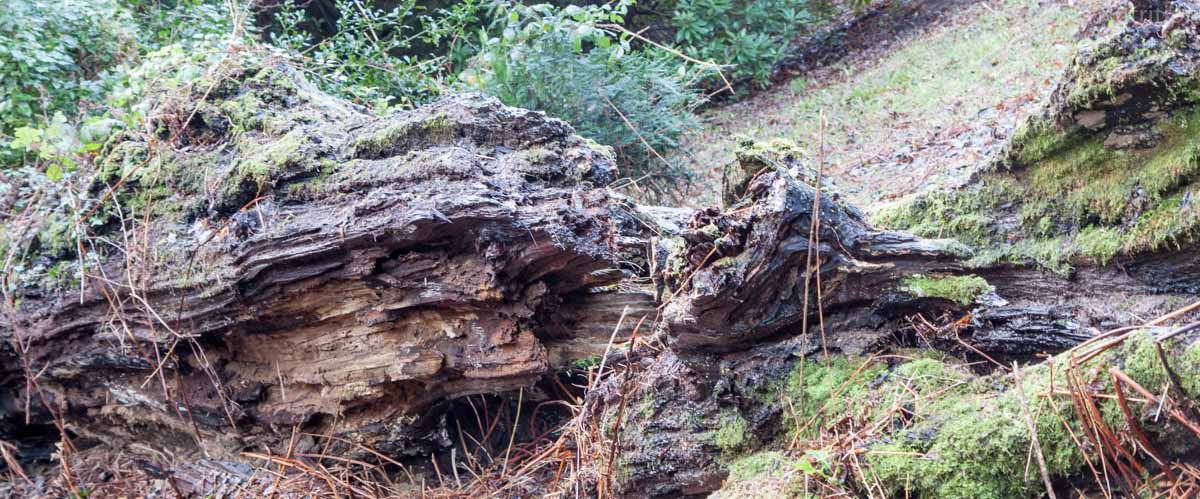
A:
[738,424]
[336,273]
[1084,225]
[269,263]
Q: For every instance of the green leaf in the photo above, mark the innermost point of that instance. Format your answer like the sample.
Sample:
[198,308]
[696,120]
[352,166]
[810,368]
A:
[26,138]
[806,467]
[54,172]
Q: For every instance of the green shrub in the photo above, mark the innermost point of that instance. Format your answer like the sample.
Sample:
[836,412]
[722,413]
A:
[53,54]
[381,58]
[187,22]
[562,61]
[749,36]
[61,60]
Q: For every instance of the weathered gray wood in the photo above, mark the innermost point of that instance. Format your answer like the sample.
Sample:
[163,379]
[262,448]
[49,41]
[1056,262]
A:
[394,263]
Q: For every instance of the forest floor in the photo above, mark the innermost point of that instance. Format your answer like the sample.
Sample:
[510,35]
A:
[915,106]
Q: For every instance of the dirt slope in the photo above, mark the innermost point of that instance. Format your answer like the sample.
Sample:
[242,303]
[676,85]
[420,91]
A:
[915,108]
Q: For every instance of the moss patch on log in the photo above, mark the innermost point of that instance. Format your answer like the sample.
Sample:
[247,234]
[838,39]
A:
[939,430]
[962,290]
[731,435]
[752,158]
[766,474]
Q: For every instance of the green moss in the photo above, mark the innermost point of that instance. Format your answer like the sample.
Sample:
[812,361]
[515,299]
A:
[279,154]
[605,150]
[962,290]
[56,236]
[724,263]
[752,153]
[405,135]
[1168,223]
[766,474]
[960,435]
[710,230]
[1143,363]
[122,158]
[1051,254]
[752,158]
[1099,243]
[759,464]
[966,442]
[1074,198]
[262,164]
[815,388]
[538,155]
[732,434]
[964,215]
[246,112]
[1092,182]
[646,406]
[1035,139]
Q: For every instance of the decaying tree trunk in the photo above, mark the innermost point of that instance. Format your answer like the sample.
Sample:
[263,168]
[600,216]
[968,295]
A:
[301,267]
[450,251]
[747,274]
[742,324]
[729,386]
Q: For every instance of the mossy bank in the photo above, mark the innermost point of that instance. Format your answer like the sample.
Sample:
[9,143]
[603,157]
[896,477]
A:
[1109,168]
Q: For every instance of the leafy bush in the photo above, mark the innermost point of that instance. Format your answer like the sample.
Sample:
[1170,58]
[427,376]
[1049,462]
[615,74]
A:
[371,57]
[187,22]
[748,35]
[60,61]
[563,62]
[53,53]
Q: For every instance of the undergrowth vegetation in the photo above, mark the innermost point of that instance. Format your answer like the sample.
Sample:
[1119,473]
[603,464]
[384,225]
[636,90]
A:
[56,54]
[572,64]
[370,56]
[574,61]
[751,37]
